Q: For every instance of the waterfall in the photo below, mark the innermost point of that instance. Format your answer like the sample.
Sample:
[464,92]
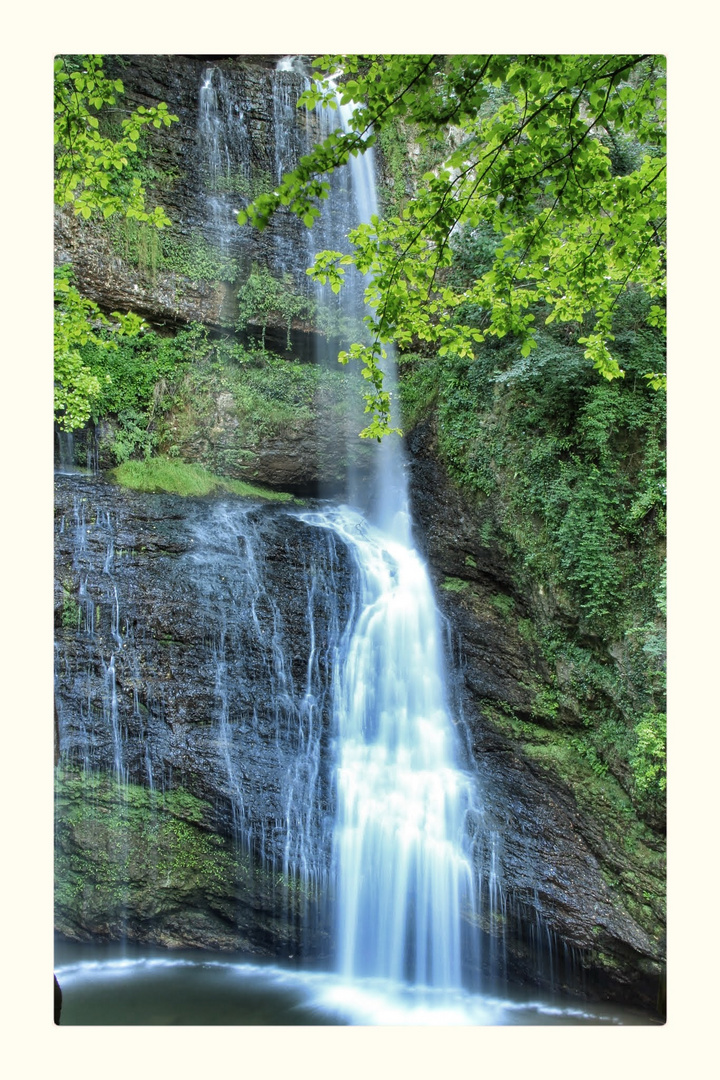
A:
[224,155]
[400,855]
[402,867]
[262,745]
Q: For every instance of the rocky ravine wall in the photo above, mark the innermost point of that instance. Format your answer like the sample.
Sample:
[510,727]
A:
[573,846]
[148,662]
[573,850]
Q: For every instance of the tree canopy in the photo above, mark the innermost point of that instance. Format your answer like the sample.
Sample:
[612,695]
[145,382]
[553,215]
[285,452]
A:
[557,161]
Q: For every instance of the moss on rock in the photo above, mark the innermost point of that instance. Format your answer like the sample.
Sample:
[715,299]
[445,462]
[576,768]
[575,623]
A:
[137,863]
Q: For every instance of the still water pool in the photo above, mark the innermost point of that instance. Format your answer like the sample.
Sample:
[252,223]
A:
[133,985]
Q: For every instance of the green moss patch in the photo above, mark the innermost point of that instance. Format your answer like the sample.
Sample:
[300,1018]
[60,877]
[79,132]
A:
[180,478]
[454,584]
[127,855]
[123,845]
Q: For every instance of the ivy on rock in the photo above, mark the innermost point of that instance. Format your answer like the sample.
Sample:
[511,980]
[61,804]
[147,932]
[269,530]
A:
[97,175]
[79,322]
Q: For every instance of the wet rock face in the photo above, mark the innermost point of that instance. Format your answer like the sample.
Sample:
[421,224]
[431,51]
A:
[194,651]
[564,848]
[238,124]
[186,598]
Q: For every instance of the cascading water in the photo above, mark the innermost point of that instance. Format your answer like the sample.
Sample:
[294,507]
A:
[286,667]
[402,870]
[403,873]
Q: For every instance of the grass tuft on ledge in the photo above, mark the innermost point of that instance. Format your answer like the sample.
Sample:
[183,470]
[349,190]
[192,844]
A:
[180,478]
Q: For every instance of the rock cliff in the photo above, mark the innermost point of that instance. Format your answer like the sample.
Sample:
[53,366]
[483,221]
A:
[185,848]
[227,147]
[184,629]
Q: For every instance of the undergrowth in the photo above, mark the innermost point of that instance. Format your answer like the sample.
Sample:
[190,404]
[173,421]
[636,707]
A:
[571,469]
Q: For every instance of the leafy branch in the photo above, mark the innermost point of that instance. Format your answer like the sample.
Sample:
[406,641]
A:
[533,169]
[94,172]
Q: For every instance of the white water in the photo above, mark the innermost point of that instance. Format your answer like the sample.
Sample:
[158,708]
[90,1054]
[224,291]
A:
[402,869]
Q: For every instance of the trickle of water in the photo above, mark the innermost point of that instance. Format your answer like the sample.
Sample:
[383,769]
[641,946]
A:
[224,152]
[112,720]
[251,645]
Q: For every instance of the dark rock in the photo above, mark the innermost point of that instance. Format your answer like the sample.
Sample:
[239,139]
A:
[184,636]
[572,850]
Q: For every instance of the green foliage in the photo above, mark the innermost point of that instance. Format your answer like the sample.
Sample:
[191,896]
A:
[79,325]
[139,243]
[620,706]
[394,143]
[94,172]
[546,705]
[263,296]
[197,260]
[418,387]
[71,613]
[135,377]
[161,394]
[575,466]
[588,751]
[181,478]
[527,162]
[156,252]
[649,755]
[570,474]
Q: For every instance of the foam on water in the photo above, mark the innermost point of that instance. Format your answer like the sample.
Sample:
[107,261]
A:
[330,997]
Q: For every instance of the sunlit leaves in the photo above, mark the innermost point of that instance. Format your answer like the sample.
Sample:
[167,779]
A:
[526,162]
[78,321]
[377,399]
[657,379]
[93,171]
